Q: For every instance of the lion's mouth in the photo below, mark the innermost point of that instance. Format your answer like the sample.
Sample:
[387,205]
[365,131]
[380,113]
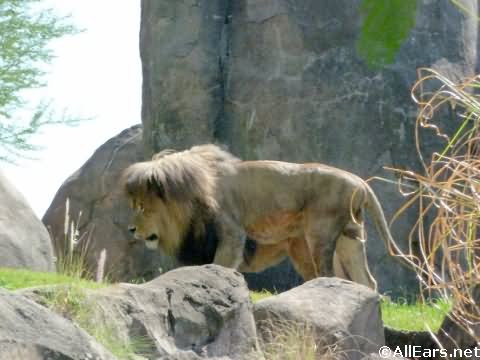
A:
[151,242]
[152,237]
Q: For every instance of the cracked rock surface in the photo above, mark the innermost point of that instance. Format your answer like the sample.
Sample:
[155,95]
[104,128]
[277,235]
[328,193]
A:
[187,313]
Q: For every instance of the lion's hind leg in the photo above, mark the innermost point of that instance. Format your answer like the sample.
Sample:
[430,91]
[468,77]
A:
[301,258]
[338,269]
[320,237]
[351,257]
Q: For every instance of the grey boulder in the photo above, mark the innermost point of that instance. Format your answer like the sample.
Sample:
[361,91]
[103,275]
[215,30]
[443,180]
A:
[337,312]
[24,240]
[187,313]
[29,331]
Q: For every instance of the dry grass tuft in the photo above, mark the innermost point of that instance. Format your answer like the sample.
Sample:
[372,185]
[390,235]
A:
[288,340]
[447,190]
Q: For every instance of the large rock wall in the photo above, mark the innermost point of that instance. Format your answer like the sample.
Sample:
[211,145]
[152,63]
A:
[281,79]
[184,99]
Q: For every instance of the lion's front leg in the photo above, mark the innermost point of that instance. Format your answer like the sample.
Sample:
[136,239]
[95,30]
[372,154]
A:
[229,252]
[232,239]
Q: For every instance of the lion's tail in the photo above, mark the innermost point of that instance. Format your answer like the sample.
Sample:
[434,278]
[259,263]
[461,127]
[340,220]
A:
[375,211]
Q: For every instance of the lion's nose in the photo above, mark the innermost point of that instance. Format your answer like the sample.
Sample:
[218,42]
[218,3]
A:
[132,229]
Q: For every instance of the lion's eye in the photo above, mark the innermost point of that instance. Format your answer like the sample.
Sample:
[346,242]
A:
[140,208]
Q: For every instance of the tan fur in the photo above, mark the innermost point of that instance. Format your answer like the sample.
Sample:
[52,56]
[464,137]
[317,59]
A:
[309,212]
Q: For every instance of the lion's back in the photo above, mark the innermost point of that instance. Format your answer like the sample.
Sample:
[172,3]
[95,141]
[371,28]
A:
[265,184]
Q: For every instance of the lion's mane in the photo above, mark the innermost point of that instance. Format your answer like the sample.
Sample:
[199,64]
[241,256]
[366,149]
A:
[186,182]
[182,177]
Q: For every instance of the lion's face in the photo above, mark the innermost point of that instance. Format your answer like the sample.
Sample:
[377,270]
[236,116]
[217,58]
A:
[145,225]
[155,223]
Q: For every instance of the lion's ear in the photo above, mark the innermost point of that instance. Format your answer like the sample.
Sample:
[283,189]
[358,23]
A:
[155,188]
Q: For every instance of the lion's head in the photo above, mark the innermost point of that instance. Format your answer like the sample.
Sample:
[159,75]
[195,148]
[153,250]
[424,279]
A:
[171,189]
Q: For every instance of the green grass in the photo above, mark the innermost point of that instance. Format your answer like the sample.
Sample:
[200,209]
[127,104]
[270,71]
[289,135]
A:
[73,302]
[400,315]
[418,317]
[259,295]
[13,279]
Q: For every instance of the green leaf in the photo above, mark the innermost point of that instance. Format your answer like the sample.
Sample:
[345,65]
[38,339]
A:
[386,25]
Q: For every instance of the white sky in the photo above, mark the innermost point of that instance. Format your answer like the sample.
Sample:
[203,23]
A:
[96,74]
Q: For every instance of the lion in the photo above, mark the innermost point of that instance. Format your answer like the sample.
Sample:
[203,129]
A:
[204,205]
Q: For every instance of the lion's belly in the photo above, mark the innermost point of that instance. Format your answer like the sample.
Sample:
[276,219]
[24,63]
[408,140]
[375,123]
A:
[277,227]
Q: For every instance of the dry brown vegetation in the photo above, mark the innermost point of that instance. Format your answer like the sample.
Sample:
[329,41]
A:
[444,243]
